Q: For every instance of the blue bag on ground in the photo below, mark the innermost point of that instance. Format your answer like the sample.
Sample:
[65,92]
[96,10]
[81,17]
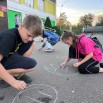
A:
[52,37]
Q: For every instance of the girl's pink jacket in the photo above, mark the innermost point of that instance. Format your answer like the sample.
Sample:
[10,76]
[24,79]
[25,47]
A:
[86,46]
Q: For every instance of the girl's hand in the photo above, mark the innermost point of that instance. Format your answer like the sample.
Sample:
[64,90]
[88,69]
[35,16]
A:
[63,64]
[76,65]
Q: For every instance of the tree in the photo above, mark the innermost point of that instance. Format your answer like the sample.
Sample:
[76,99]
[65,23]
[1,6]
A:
[62,22]
[86,20]
[77,29]
[100,21]
[48,22]
[57,30]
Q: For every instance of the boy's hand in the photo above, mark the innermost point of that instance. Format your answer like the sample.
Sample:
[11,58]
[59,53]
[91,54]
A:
[20,85]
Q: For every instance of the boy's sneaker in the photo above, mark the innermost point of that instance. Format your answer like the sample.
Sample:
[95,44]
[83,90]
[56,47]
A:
[3,84]
[2,96]
[24,78]
[49,50]
[101,65]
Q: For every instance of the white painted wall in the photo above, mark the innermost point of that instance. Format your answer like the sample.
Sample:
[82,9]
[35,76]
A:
[27,10]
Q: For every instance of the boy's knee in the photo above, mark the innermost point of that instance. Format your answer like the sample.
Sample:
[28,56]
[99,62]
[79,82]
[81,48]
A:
[31,63]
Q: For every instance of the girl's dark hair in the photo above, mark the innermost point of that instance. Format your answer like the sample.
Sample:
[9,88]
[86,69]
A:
[67,34]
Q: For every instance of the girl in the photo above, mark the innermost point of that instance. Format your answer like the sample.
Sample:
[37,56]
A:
[85,50]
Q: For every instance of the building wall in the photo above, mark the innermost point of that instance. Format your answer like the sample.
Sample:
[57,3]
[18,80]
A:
[3,15]
[22,1]
[49,7]
[22,8]
[36,4]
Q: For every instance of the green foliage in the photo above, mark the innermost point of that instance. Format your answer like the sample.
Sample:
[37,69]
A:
[87,19]
[57,30]
[99,24]
[100,21]
[48,22]
[77,29]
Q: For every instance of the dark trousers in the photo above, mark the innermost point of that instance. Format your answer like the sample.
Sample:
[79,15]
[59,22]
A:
[16,26]
[17,60]
[87,67]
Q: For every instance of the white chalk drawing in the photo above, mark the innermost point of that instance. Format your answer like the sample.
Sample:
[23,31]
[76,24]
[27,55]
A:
[37,93]
[55,69]
[60,57]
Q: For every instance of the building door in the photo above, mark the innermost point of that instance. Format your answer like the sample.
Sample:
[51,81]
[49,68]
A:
[11,18]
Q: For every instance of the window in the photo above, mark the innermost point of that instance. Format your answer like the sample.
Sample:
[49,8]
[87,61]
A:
[53,1]
[29,3]
[41,5]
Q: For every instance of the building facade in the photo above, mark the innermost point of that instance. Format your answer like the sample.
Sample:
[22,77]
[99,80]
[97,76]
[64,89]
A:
[10,8]
[42,8]
[3,15]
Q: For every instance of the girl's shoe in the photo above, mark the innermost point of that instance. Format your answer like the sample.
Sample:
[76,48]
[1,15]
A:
[101,65]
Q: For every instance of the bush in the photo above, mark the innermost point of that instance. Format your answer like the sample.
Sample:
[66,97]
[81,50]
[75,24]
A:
[57,30]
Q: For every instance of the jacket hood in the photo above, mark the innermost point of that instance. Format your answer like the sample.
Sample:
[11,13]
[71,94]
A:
[81,35]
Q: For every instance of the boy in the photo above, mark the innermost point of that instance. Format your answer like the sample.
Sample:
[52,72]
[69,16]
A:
[16,45]
[50,39]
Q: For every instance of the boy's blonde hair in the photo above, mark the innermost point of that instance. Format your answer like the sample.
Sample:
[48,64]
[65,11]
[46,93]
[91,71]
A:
[33,24]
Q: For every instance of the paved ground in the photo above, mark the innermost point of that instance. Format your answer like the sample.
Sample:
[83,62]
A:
[54,85]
